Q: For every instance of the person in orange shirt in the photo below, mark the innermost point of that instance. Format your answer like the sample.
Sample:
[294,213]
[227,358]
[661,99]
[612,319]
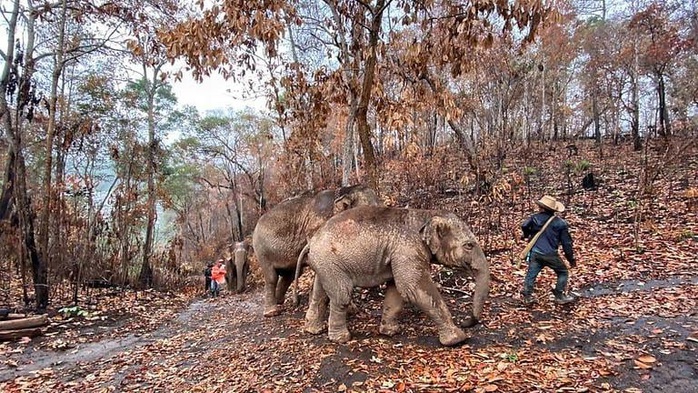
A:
[217,277]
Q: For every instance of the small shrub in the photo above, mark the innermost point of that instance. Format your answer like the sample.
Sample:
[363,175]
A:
[686,234]
[583,165]
[512,357]
[74,311]
[530,171]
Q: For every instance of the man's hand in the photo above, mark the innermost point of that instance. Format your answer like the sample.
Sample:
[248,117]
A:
[573,263]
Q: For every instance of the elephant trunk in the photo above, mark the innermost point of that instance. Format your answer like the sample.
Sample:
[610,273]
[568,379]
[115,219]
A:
[240,261]
[240,271]
[481,273]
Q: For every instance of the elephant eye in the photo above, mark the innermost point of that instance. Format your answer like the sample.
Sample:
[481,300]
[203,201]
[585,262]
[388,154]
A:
[469,244]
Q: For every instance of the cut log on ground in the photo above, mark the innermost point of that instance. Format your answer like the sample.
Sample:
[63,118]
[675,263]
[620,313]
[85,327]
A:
[14,316]
[24,323]
[18,333]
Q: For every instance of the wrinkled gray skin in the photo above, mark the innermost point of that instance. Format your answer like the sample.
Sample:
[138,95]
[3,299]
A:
[368,246]
[237,268]
[282,232]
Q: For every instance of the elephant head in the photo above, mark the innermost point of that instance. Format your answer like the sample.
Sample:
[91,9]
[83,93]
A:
[352,196]
[453,244]
[238,267]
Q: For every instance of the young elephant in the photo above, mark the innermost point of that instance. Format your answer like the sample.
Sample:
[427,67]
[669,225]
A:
[368,246]
[282,232]
[237,268]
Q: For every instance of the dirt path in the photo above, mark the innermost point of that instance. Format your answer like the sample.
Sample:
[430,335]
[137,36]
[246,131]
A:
[225,344]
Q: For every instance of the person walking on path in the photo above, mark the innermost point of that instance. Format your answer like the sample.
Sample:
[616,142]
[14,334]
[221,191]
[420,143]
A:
[207,277]
[544,251]
[217,277]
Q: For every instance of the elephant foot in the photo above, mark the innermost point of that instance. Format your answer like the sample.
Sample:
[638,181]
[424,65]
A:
[452,336]
[470,322]
[272,311]
[314,327]
[341,337]
[389,329]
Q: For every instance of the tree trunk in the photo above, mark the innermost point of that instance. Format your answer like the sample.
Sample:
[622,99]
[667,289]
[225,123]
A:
[596,117]
[238,215]
[665,125]
[7,184]
[348,146]
[262,207]
[48,197]
[635,124]
[19,187]
[146,274]
[39,268]
[365,97]
[345,57]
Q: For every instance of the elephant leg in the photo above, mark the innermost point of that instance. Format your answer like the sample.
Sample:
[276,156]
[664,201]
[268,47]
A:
[317,309]
[340,297]
[392,305]
[427,297]
[282,287]
[337,326]
[270,307]
[352,308]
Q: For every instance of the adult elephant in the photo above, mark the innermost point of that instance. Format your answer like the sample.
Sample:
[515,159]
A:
[368,246]
[282,232]
[237,268]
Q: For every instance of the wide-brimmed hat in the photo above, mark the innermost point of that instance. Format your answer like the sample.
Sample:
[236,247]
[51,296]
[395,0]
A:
[550,203]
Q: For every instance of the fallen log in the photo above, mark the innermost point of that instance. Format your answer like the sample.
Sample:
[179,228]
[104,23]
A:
[24,323]
[18,333]
[15,316]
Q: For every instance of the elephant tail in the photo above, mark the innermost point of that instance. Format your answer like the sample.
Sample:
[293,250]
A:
[299,268]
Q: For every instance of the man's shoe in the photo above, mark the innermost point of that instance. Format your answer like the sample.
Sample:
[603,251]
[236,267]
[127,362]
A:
[563,299]
[528,300]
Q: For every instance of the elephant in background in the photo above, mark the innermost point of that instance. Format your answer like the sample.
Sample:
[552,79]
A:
[237,268]
[282,232]
[368,246]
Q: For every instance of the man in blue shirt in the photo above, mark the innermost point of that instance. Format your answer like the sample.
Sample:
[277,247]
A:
[544,252]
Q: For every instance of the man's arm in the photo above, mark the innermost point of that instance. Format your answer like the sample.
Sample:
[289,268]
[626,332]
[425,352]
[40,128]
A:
[526,228]
[566,241]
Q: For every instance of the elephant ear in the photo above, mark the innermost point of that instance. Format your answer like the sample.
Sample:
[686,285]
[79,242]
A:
[442,236]
[353,196]
[342,203]
[433,232]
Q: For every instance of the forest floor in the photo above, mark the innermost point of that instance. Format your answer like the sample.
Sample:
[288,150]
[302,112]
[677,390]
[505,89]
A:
[610,340]
[634,327]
